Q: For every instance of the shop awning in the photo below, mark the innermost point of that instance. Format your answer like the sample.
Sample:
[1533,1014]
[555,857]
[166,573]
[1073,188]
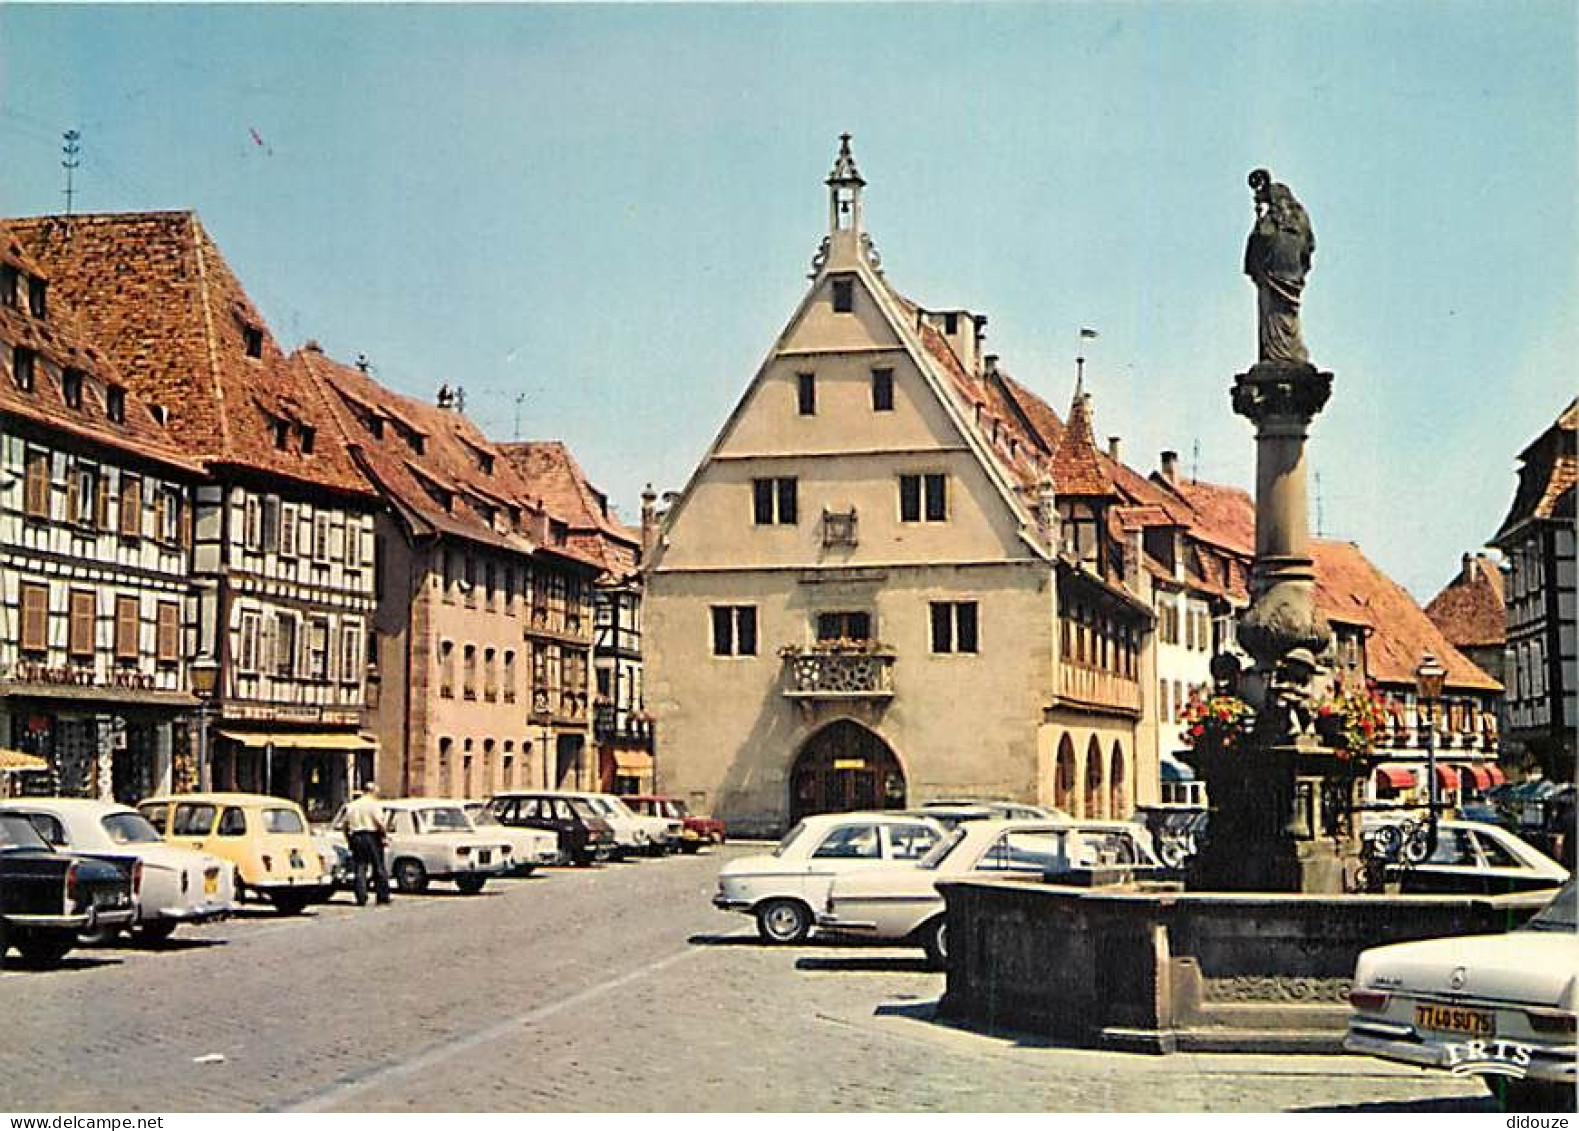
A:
[1447,776]
[330,740]
[1175,771]
[1397,777]
[14,761]
[1478,775]
[633,763]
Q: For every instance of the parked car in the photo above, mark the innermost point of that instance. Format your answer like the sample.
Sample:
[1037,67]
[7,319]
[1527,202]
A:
[179,884]
[336,856]
[1472,858]
[782,889]
[433,839]
[584,837]
[1000,810]
[904,905]
[696,832]
[1498,1006]
[265,840]
[634,834]
[47,898]
[530,849]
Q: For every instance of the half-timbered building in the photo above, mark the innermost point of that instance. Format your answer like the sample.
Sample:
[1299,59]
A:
[283,548]
[95,535]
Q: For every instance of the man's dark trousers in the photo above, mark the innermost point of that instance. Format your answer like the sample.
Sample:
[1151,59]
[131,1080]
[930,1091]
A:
[367,852]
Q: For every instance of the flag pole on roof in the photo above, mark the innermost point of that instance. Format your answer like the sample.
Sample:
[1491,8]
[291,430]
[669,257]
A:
[1086,334]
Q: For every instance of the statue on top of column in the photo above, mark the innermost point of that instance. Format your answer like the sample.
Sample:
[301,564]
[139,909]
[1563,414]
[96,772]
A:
[1277,258]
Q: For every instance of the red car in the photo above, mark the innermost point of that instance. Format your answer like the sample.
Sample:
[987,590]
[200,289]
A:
[698,831]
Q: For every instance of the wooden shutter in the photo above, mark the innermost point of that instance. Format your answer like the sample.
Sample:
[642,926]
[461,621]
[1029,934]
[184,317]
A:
[161,512]
[73,496]
[131,524]
[37,491]
[127,618]
[169,632]
[84,611]
[101,502]
[35,618]
[186,525]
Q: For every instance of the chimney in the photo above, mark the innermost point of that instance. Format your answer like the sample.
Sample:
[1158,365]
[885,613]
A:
[1170,466]
[1112,449]
[980,322]
[649,521]
[1469,568]
[990,364]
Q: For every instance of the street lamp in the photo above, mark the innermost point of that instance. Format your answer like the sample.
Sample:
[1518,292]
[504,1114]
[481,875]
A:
[205,682]
[1428,689]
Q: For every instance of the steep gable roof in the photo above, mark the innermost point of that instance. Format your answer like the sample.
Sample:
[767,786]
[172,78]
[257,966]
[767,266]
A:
[1471,610]
[570,497]
[155,292]
[1548,474]
[60,338]
[1077,468]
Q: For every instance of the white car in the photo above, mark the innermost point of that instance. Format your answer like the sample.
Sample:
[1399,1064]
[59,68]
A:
[1501,1007]
[433,839]
[634,833]
[781,890]
[529,848]
[1472,858]
[179,884]
[904,905]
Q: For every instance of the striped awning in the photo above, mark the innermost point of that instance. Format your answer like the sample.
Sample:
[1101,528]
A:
[1478,775]
[302,740]
[1398,777]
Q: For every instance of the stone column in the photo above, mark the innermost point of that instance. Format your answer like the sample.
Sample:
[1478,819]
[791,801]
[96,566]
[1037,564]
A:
[1281,400]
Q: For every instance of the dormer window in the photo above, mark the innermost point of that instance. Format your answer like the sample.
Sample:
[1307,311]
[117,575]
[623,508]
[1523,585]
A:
[252,337]
[23,364]
[308,436]
[10,279]
[37,291]
[115,404]
[71,387]
[282,435]
[951,323]
[843,296]
[558,533]
[485,463]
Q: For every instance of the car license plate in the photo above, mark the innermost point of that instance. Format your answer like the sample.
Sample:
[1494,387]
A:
[485,857]
[210,883]
[1452,1019]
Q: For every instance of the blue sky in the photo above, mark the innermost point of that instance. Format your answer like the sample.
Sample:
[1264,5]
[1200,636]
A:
[610,209]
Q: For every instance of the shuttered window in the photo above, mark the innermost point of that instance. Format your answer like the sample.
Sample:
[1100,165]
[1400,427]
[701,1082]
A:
[131,517]
[35,618]
[247,654]
[169,646]
[285,645]
[36,493]
[84,610]
[127,617]
[101,503]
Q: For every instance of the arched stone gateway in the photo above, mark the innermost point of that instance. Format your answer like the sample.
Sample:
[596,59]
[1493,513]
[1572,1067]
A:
[844,767]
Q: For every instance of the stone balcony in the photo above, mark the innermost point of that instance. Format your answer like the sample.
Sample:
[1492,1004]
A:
[811,676]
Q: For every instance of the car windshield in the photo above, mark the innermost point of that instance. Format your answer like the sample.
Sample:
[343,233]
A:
[942,848]
[1561,914]
[482,815]
[18,832]
[449,819]
[789,838]
[617,807]
[584,809]
[674,807]
[129,828]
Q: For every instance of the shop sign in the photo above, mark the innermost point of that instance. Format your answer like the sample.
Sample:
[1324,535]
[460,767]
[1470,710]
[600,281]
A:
[66,676]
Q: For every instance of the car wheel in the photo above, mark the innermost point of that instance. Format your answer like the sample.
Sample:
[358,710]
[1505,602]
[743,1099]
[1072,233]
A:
[154,932]
[691,847]
[783,921]
[1530,1095]
[934,939]
[44,951]
[98,936]
[410,876]
[290,902]
[471,883]
[526,870]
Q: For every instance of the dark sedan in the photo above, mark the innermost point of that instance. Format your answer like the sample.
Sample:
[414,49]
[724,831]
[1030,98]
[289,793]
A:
[47,898]
[584,837]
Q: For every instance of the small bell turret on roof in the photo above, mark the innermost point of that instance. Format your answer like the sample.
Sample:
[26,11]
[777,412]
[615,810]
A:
[844,191]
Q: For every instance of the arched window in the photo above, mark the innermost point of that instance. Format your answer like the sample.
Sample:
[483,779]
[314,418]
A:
[1118,786]
[1094,798]
[1064,777]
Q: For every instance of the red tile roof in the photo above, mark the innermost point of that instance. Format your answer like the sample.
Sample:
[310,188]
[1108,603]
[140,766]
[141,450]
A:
[1077,467]
[1222,515]
[1349,588]
[1471,610]
[60,338]
[1548,475]
[155,292]
[570,497]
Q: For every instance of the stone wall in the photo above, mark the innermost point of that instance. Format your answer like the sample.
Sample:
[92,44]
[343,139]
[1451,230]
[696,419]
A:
[1173,971]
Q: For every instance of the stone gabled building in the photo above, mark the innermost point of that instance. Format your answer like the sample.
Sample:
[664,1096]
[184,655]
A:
[872,590]
[96,598]
[1537,538]
[283,552]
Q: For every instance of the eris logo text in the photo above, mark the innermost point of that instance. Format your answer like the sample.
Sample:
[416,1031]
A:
[1488,1058]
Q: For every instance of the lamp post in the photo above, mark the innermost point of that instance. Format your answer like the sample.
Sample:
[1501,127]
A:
[1428,689]
[205,682]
